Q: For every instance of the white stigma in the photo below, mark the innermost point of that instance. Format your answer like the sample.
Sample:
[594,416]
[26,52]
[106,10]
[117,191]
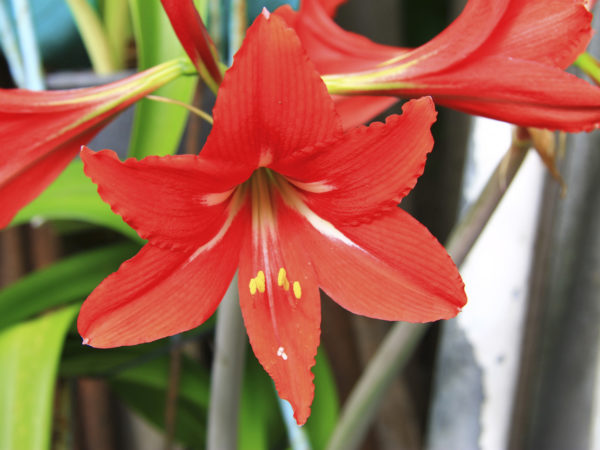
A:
[281,352]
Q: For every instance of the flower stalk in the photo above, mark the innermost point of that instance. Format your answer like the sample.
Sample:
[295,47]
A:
[589,65]
[227,373]
[402,339]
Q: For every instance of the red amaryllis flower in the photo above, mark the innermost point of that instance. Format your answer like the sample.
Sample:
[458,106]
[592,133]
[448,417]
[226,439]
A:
[194,38]
[41,132]
[502,59]
[280,191]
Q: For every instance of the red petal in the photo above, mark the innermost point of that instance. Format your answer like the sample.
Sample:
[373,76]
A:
[330,48]
[193,35]
[331,6]
[283,329]
[527,31]
[458,41]
[500,34]
[334,50]
[357,110]
[370,169]
[173,201]
[28,180]
[272,102]
[533,95]
[391,269]
[40,132]
[160,292]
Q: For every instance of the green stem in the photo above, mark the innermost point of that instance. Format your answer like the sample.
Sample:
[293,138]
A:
[227,373]
[172,391]
[93,36]
[465,233]
[590,65]
[237,26]
[203,115]
[401,340]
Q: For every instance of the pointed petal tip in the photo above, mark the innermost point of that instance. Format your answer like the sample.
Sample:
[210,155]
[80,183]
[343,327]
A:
[85,151]
[86,341]
[426,104]
[265,12]
[301,415]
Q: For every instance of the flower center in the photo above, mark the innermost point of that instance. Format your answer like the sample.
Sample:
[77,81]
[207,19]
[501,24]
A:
[265,186]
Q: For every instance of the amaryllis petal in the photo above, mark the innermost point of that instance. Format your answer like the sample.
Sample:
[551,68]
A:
[535,95]
[40,132]
[527,32]
[23,183]
[280,302]
[160,292]
[391,269]
[261,118]
[331,6]
[177,201]
[337,181]
[535,35]
[332,49]
[335,50]
[359,109]
[193,36]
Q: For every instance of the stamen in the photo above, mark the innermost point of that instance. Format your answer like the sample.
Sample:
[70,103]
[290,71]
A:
[257,283]
[281,277]
[260,281]
[297,289]
[282,280]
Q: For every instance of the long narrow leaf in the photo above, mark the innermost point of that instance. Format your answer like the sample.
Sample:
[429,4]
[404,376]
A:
[66,281]
[260,424]
[10,46]
[144,388]
[158,126]
[30,52]
[326,405]
[115,18]
[93,35]
[29,355]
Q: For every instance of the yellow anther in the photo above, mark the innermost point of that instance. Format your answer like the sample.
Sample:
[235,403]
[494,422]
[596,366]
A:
[260,281]
[297,289]
[252,286]
[281,277]
[286,285]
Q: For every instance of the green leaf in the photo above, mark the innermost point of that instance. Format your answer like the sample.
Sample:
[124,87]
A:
[115,19]
[29,354]
[73,196]
[158,126]
[260,425]
[65,281]
[82,360]
[326,405]
[144,388]
[93,35]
